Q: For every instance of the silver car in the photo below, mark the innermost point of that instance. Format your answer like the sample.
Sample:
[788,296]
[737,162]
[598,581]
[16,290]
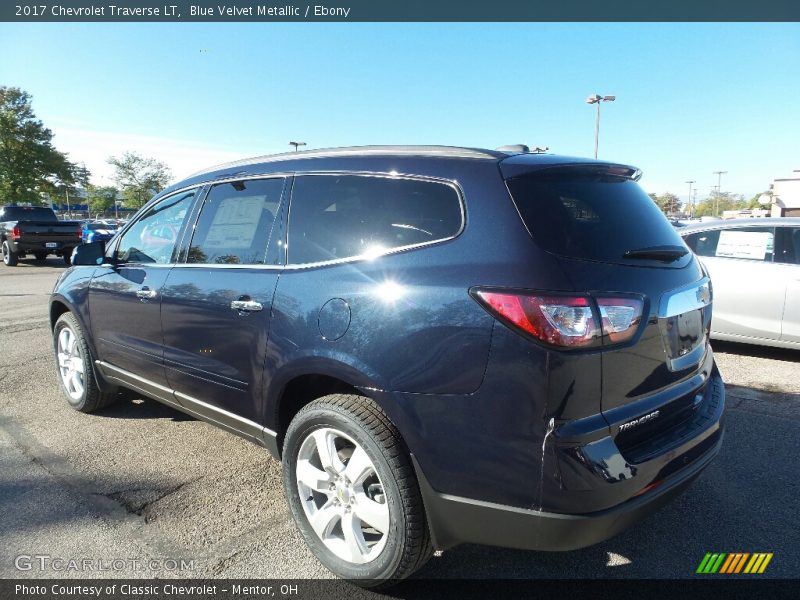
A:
[754,266]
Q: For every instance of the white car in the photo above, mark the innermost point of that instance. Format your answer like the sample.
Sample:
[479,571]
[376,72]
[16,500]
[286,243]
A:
[754,266]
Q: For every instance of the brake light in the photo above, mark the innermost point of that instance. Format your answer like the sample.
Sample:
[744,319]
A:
[16,233]
[576,321]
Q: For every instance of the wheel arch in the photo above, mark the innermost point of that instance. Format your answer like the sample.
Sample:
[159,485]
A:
[312,377]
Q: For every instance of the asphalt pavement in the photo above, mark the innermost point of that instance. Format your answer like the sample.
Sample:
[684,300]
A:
[145,491]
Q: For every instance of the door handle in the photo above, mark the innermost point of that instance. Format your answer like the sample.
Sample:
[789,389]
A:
[145,293]
[246,305]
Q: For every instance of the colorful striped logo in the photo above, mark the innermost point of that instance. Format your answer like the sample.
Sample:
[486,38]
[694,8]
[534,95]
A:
[736,562]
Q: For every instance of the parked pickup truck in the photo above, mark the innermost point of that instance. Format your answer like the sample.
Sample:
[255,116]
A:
[36,231]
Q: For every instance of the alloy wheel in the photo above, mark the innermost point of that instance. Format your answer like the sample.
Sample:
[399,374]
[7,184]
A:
[70,363]
[342,495]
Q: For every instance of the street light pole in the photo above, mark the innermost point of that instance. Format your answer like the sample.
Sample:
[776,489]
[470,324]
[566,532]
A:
[296,145]
[597,99]
[691,206]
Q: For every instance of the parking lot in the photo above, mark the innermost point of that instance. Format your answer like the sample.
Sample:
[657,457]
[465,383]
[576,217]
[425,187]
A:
[140,482]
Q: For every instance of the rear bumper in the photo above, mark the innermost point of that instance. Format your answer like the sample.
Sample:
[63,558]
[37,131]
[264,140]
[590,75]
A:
[454,520]
[29,247]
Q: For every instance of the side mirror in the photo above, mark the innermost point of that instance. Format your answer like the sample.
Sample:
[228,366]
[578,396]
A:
[91,254]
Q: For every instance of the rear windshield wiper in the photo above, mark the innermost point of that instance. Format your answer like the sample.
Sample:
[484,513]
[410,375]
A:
[662,253]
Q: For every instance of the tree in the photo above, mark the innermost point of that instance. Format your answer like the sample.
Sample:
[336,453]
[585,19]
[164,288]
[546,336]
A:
[100,199]
[29,164]
[666,202]
[139,177]
[716,203]
[669,203]
[754,202]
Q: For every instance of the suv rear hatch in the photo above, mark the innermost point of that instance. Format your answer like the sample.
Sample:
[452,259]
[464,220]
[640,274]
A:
[612,240]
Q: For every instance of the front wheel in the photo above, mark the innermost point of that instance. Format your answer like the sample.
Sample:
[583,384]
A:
[352,491]
[74,364]
[10,259]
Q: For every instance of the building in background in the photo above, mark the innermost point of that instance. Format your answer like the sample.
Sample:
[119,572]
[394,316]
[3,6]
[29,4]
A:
[786,196]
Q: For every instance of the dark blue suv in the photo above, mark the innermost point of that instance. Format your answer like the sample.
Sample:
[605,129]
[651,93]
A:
[443,345]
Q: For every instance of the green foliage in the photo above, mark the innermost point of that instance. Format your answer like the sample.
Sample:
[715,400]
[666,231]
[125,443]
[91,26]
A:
[100,199]
[29,164]
[715,204]
[139,178]
[667,202]
[754,203]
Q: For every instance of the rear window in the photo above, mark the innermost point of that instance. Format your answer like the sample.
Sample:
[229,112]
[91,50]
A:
[28,213]
[589,215]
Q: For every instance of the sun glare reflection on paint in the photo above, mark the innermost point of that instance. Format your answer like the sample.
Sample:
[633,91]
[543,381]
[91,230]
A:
[390,291]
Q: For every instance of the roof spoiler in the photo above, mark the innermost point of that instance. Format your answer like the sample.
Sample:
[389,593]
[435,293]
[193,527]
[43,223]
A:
[521,149]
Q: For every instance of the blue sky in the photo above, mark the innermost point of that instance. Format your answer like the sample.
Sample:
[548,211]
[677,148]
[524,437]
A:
[691,98]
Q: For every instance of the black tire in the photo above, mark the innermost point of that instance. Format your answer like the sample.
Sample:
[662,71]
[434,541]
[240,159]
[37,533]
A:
[40,256]
[67,258]
[10,259]
[407,543]
[91,398]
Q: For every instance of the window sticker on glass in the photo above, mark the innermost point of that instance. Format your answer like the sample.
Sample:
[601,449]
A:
[754,245]
[235,223]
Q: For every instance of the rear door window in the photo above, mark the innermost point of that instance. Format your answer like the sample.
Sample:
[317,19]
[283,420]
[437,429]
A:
[334,217]
[236,223]
[589,214]
[746,243]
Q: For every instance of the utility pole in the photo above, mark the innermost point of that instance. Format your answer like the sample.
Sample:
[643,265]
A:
[719,175]
[691,206]
[597,99]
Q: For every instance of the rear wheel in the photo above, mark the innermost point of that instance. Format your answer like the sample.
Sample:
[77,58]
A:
[67,258]
[352,491]
[74,365]
[10,259]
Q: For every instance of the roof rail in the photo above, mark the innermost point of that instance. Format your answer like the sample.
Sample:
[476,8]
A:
[442,151]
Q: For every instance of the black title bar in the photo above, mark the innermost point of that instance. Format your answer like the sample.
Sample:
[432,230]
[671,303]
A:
[400,10]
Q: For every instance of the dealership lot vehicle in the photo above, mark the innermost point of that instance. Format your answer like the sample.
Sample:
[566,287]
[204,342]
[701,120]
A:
[434,361]
[98,231]
[755,271]
[35,230]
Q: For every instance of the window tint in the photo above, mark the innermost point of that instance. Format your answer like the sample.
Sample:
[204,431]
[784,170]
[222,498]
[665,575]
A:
[788,245]
[585,213]
[152,238]
[236,222]
[335,217]
[28,213]
[703,243]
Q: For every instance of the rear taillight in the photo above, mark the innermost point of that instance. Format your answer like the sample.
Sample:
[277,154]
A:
[578,321]
[16,233]
[619,317]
